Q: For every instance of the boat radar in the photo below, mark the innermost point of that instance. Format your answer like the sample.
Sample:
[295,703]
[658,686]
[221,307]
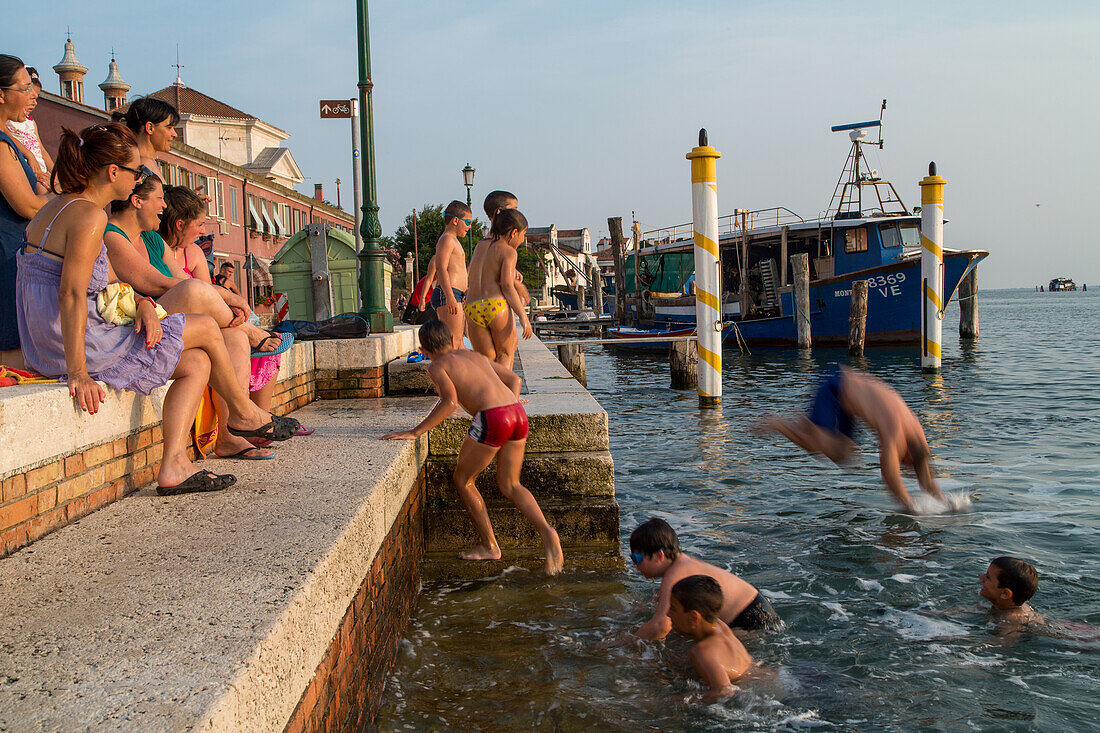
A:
[847,201]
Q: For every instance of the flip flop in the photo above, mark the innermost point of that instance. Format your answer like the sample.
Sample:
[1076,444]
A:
[303,430]
[286,340]
[278,428]
[240,455]
[199,481]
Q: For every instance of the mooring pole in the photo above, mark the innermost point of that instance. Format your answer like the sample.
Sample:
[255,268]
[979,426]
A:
[572,358]
[708,280]
[857,319]
[931,268]
[615,229]
[683,363]
[800,271]
[597,291]
[968,305]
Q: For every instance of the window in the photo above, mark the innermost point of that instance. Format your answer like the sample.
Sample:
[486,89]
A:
[165,173]
[233,206]
[185,178]
[202,188]
[219,199]
[891,236]
[910,235]
[855,240]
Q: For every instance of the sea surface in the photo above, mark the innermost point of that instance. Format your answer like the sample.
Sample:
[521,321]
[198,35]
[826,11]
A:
[884,626]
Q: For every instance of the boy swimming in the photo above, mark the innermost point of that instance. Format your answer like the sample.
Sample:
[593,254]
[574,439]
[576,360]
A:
[490,393]
[717,655]
[450,269]
[493,295]
[844,395]
[1008,584]
[655,550]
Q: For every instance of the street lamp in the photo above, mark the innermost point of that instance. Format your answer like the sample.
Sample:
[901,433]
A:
[468,182]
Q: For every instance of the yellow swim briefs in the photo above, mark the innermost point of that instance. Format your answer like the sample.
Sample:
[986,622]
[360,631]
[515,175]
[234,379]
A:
[482,312]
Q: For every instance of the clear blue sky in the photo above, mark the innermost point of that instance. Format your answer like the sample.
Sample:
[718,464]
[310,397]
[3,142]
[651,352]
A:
[585,109]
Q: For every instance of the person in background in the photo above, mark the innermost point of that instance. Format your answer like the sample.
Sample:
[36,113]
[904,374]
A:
[62,269]
[450,270]
[153,123]
[225,278]
[1008,584]
[26,134]
[21,197]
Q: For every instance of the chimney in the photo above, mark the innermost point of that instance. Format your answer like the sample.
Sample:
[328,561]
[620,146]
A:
[318,192]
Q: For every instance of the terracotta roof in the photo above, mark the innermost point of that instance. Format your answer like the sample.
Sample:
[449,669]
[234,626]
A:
[192,102]
[570,233]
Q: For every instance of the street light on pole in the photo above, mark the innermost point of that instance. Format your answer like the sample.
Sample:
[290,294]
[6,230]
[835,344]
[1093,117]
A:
[468,182]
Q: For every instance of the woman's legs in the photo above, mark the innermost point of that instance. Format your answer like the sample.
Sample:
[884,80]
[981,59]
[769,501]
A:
[505,338]
[196,296]
[180,405]
[201,332]
[481,340]
[227,444]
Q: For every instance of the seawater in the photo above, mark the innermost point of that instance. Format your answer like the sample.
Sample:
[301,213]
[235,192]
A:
[884,627]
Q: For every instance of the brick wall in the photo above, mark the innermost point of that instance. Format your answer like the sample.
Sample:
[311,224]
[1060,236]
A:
[342,384]
[346,689]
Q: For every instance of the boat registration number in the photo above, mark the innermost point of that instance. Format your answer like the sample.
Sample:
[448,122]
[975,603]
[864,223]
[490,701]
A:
[887,285]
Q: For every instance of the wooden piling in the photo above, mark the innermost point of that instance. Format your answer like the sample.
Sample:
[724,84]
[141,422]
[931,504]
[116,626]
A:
[597,291]
[800,269]
[857,319]
[580,294]
[783,255]
[683,362]
[572,358]
[968,305]
[615,227]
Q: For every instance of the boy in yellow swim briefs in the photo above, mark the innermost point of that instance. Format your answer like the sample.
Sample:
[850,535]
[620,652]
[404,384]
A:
[492,295]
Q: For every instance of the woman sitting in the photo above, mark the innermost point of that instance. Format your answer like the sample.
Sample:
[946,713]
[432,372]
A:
[62,269]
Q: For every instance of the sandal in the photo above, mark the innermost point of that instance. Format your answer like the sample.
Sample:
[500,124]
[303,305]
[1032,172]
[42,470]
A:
[199,481]
[278,428]
[286,340]
[303,430]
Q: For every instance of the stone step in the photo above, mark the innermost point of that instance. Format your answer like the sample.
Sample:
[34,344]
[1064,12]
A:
[550,475]
[403,378]
[556,425]
[591,523]
[445,565]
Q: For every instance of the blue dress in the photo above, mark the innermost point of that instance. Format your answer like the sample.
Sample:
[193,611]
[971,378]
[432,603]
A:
[13,228]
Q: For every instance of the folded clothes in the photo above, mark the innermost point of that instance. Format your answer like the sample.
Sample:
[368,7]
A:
[117,304]
[10,376]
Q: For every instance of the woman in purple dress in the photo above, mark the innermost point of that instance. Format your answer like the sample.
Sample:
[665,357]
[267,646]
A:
[61,269]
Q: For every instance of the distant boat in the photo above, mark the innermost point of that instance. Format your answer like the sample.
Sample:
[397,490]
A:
[1060,284]
[627,337]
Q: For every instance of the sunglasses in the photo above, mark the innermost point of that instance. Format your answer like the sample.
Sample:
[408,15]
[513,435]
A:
[140,174]
[637,557]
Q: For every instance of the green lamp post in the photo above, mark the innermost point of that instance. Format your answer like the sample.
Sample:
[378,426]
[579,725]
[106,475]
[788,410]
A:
[468,182]
[372,286]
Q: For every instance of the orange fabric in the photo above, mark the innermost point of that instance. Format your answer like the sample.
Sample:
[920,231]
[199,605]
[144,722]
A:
[10,376]
[205,430]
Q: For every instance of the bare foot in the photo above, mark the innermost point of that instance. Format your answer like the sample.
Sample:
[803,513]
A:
[175,472]
[480,552]
[259,339]
[555,558]
[230,445]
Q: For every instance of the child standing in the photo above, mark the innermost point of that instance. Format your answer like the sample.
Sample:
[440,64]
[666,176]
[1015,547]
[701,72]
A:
[655,550]
[492,286]
[717,655]
[450,269]
[490,393]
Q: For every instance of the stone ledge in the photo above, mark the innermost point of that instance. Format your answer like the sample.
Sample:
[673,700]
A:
[208,611]
[373,351]
[546,475]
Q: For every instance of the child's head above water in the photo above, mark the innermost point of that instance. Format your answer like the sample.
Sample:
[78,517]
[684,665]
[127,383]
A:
[653,536]
[435,337]
[698,593]
[1009,582]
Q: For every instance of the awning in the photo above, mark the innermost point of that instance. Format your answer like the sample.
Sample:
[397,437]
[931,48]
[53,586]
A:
[280,230]
[253,217]
[267,219]
[257,269]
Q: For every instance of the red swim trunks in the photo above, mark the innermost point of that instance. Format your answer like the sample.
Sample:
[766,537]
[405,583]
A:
[497,425]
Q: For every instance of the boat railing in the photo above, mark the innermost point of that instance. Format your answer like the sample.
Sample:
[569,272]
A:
[730,224]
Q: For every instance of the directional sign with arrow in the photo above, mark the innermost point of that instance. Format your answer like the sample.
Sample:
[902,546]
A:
[335,108]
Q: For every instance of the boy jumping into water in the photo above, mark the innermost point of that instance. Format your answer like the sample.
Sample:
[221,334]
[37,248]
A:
[450,269]
[717,655]
[844,395]
[490,393]
[655,550]
[1008,583]
[493,295]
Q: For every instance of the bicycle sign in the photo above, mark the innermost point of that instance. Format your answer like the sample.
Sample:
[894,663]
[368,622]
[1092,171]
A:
[335,108]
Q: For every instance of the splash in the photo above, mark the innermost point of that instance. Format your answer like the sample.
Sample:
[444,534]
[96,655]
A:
[958,501]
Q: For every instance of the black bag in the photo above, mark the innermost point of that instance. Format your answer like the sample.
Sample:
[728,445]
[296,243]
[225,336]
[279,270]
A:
[415,316]
[343,326]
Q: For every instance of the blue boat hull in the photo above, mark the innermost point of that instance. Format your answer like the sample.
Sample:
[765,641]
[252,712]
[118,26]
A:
[893,304]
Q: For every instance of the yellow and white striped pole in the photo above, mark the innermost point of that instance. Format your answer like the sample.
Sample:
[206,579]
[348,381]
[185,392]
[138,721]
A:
[708,276]
[931,269]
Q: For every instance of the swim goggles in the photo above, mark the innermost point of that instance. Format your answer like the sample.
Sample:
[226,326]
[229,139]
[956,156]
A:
[637,557]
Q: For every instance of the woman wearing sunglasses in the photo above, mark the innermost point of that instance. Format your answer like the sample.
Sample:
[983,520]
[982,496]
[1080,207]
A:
[61,270]
[21,196]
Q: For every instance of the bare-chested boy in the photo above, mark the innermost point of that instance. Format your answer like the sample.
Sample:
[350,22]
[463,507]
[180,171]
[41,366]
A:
[1008,584]
[717,655]
[493,293]
[490,393]
[450,269]
[655,550]
[829,429]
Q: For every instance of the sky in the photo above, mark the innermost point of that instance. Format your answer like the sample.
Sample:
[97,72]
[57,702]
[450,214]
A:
[586,109]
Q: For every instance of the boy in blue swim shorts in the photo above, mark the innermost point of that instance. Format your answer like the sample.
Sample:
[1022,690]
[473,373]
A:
[828,428]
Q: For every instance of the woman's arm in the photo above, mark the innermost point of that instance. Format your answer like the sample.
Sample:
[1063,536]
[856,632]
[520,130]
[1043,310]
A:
[196,263]
[133,267]
[82,247]
[13,185]
[508,289]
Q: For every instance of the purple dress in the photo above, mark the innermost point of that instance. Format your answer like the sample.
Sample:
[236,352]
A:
[114,354]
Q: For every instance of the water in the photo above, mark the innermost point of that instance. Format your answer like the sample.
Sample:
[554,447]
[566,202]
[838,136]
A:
[1014,425]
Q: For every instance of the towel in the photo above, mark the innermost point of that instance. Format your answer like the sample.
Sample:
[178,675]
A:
[10,376]
[117,304]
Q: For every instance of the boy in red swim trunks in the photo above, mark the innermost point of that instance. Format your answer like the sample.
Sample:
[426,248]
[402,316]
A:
[490,393]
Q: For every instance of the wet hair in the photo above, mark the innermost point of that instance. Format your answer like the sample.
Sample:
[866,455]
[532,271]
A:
[457,210]
[495,202]
[143,191]
[180,204]
[9,67]
[146,109]
[34,76]
[653,535]
[507,221]
[80,156]
[699,593]
[435,336]
[1019,576]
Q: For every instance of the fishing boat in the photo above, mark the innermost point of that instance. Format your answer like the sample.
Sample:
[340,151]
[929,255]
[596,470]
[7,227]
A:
[866,233]
[627,337]
[1061,284]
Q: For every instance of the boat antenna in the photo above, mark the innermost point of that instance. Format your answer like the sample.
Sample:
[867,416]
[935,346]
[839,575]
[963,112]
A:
[881,112]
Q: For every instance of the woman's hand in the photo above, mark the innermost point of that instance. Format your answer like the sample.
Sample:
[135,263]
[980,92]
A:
[87,391]
[238,305]
[146,320]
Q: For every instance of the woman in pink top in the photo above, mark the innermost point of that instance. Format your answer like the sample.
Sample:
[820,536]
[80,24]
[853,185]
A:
[26,135]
